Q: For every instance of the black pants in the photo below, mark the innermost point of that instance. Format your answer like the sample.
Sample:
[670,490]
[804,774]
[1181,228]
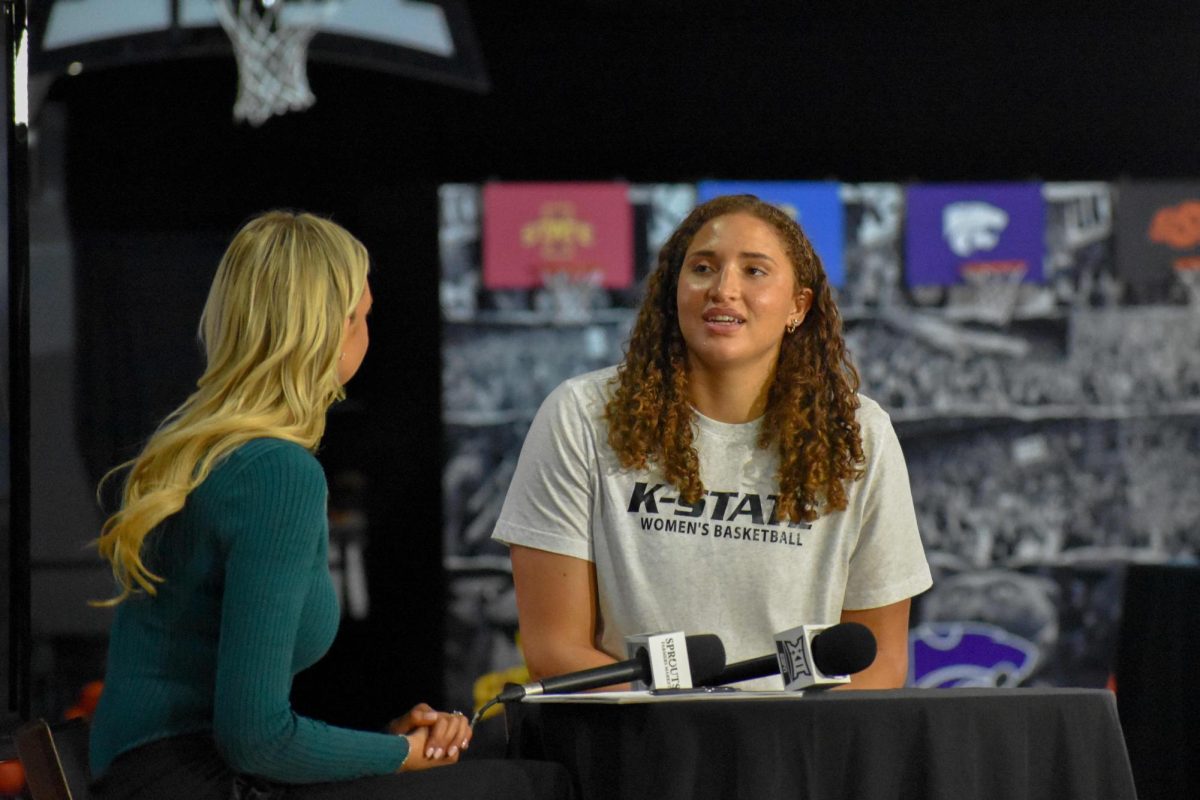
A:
[190,768]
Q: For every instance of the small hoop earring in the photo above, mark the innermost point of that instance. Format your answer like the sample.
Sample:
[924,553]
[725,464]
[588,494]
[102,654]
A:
[792,325]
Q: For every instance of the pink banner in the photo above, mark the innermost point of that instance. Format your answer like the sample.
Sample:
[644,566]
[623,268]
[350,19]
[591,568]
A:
[535,230]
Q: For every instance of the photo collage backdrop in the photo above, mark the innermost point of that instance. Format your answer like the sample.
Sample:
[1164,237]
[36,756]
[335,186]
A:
[1036,344]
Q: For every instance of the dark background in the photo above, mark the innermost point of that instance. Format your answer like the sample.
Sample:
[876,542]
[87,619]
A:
[158,177]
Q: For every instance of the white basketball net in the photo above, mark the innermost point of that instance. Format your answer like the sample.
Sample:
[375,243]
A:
[271,55]
[987,295]
[567,292]
[1189,276]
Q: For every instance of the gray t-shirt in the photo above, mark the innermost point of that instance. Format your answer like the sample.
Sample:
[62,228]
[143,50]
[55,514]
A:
[724,565]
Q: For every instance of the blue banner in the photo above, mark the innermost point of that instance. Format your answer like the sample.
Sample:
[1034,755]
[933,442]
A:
[816,205]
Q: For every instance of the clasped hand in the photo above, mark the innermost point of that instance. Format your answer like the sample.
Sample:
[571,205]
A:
[435,738]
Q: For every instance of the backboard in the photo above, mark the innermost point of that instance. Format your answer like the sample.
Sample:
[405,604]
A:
[430,40]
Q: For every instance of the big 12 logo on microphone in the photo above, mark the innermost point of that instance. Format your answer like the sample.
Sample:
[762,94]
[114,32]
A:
[794,649]
[793,658]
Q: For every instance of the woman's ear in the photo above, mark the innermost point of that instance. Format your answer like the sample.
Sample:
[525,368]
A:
[801,304]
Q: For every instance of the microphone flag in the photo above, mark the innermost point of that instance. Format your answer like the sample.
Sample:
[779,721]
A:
[794,649]
[670,667]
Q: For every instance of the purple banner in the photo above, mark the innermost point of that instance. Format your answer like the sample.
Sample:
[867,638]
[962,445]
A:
[956,229]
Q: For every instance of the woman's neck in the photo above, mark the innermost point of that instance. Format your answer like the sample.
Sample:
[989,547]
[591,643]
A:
[731,396]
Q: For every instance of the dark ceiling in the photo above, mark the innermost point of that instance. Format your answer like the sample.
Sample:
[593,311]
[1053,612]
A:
[651,91]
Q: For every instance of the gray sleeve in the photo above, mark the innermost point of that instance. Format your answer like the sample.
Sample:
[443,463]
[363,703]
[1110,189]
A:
[888,563]
[549,502]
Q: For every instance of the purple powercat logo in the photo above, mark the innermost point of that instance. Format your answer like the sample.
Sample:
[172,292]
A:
[949,654]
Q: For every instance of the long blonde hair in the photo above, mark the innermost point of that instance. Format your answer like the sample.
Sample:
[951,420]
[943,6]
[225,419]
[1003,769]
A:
[272,330]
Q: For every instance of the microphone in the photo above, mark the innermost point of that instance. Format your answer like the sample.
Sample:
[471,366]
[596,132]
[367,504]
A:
[808,657]
[705,654]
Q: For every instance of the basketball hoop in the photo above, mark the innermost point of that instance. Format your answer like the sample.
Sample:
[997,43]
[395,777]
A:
[271,54]
[1188,271]
[989,292]
[569,291]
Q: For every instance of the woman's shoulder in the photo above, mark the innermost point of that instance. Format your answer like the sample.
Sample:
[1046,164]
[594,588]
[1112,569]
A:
[596,380]
[268,447]
[590,390]
[872,418]
[244,481]
[577,404]
[278,459]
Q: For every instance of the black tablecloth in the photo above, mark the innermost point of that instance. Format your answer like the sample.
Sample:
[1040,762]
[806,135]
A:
[1006,744]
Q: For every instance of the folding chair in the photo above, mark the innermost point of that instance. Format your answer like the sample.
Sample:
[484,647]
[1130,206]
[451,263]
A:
[55,759]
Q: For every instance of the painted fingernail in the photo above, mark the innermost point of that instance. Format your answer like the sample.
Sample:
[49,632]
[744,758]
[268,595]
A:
[464,744]
[429,752]
[452,752]
[439,753]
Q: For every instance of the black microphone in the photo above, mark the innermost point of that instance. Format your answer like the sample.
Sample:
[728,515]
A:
[705,653]
[841,649]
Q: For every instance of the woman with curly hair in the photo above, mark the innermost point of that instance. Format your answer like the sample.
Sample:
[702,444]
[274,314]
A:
[220,553]
[726,477]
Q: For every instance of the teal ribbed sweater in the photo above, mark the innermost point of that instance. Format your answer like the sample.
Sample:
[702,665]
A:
[247,603]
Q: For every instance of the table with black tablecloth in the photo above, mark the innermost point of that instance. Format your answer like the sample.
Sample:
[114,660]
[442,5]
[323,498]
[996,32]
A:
[924,744]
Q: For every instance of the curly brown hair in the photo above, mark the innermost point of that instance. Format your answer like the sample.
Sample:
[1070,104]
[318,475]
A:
[811,402]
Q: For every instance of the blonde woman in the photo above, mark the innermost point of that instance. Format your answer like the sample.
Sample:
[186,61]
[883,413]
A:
[219,550]
[726,477]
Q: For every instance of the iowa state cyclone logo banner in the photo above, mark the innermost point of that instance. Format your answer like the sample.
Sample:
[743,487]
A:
[531,230]
[816,205]
[960,228]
